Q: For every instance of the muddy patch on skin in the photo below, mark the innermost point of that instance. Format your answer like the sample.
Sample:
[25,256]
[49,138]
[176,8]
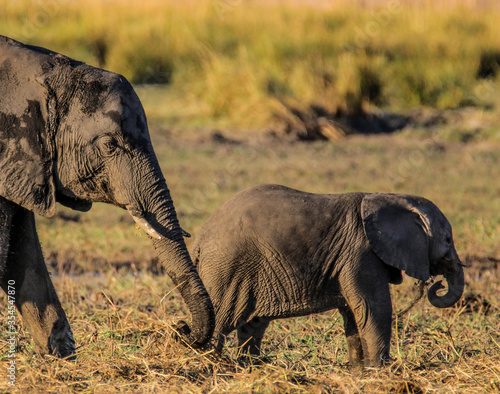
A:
[91,96]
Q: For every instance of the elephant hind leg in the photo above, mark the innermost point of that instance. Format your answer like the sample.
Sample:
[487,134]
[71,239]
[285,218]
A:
[353,339]
[218,341]
[250,336]
[35,296]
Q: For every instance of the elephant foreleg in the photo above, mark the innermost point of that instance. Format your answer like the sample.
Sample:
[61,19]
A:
[35,296]
[370,303]
[6,213]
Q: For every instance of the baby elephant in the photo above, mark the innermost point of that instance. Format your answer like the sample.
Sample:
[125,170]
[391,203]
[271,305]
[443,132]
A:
[271,252]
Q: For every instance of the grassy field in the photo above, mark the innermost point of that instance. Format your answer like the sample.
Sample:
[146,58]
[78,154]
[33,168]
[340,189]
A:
[121,310]
[201,67]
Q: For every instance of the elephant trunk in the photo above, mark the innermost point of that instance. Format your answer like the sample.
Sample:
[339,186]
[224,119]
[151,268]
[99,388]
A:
[455,280]
[180,268]
[159,219]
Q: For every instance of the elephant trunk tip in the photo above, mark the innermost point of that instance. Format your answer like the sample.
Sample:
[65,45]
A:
[455,282]
[183,332]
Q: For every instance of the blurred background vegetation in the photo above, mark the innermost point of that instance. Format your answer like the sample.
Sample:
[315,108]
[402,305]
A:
[243,64]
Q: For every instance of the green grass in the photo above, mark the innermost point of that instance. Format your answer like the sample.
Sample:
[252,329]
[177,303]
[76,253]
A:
[231,63]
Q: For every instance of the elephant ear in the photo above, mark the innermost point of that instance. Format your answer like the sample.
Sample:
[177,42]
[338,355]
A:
[26,175]
[398,231]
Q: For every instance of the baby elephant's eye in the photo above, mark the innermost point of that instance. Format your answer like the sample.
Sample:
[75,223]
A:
[448,240]
[108,145]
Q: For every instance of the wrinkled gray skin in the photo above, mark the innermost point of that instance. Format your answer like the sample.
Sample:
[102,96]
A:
[272,252]
[75,134]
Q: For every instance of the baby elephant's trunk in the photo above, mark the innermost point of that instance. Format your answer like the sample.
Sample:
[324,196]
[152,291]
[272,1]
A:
[455,281]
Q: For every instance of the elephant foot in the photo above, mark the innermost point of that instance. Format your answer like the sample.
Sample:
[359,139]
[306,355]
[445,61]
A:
[250,360]
[387,361]
[383,361]
[355,369]
[61,342]
[50,330]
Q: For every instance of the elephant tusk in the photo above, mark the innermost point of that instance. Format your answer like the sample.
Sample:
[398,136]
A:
[143,223]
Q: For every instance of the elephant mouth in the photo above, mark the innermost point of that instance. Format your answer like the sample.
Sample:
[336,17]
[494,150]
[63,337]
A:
[445,267]
[73,202]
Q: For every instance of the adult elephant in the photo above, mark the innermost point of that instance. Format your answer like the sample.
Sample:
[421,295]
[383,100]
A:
[272,252]
[76,134]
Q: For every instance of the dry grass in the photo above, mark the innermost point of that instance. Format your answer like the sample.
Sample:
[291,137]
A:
[221,65]
[122,325]
[121,312]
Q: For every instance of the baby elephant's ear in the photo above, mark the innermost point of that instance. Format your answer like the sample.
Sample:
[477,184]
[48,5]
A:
[398,232]
[26,176]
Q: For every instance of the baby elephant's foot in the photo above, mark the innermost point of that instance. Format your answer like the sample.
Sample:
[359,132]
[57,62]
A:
[387,361]
[63,347]
[249,360]
[381,362]
[361,366]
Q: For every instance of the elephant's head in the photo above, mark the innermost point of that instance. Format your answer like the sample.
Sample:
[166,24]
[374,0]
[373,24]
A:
[83,138]
[411,234]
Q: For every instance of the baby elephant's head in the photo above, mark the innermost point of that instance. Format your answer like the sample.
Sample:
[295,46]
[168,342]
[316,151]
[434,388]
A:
[412,234]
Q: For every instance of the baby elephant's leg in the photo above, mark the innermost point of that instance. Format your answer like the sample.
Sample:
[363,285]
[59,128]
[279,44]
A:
[250,335]
[6,212]
[352,336]
[373,316]
[367,293]
[219,337]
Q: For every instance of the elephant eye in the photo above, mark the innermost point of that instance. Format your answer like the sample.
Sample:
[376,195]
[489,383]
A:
[108,145]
